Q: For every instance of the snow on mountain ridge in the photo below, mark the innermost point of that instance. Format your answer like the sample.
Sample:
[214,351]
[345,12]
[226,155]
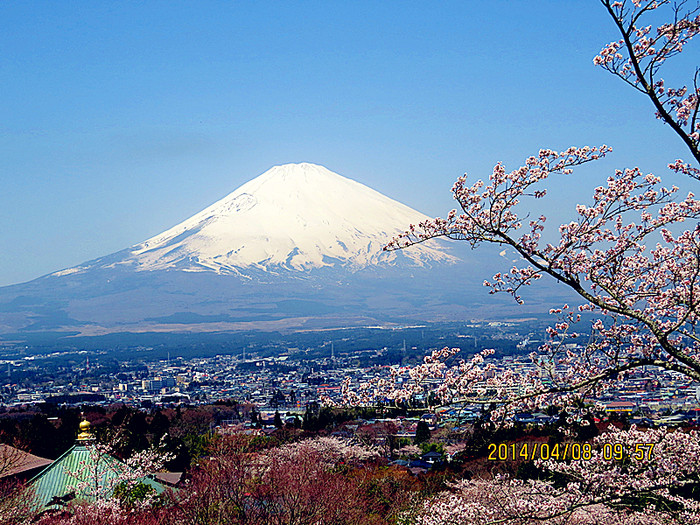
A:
[294,217]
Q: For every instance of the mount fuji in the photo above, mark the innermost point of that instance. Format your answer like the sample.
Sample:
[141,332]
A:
[294,218]
[298,247]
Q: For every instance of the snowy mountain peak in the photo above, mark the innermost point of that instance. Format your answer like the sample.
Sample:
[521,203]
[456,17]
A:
[292,217]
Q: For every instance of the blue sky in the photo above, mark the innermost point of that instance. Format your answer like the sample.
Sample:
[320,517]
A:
[120,119]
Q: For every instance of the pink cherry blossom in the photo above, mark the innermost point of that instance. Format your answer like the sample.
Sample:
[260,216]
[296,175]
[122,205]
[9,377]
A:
[632,255]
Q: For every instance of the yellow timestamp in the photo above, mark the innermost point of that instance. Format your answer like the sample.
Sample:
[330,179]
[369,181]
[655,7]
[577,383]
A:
[564,451]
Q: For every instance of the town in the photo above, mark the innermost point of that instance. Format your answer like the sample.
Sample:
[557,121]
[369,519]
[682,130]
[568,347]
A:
[287,380]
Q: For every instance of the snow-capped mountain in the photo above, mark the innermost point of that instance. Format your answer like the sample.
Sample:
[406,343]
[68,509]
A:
[294,217]
[296,248]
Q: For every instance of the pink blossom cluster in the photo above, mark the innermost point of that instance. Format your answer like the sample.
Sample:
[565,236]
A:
[409,451]
[447,382]
[650,461]
[331,451]
[510,501]
[596,490]
[684,168]
[101,512]
[638,56]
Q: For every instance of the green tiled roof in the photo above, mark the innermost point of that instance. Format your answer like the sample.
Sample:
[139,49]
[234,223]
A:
[80,470]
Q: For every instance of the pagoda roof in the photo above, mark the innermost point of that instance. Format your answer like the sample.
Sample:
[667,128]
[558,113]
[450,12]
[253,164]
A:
[14,461]
[81,473]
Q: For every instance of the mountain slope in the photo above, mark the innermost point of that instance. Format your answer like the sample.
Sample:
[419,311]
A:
[297,247]
[295,217]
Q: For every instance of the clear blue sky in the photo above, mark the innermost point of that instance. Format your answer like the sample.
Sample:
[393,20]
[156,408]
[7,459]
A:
[120,119]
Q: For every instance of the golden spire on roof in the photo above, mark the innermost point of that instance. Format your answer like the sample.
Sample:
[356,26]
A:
[85,434]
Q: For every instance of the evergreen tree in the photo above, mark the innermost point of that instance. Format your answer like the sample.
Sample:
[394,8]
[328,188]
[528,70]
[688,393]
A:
[422,433]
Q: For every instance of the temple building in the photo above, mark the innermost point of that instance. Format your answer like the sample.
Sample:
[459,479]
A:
[85,472]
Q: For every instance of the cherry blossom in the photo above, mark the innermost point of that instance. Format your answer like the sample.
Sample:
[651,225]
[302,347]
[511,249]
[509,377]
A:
[640,53]
[625,254]
[632,255]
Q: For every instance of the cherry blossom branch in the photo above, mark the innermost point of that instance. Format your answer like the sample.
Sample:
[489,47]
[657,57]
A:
[602,256]
[646,52]
[627,256]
